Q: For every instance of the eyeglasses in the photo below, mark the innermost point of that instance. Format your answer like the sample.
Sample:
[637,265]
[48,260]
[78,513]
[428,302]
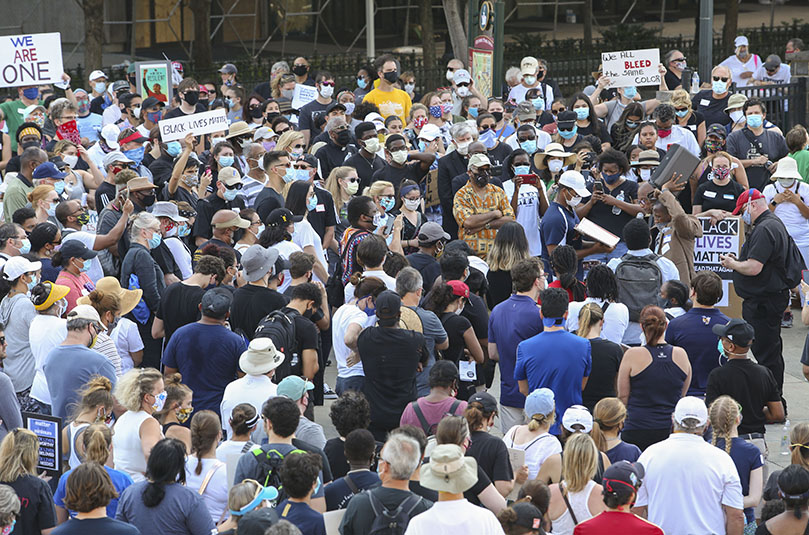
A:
[678,60]
[330,84]
[681,109]
[723,78]
[236,186]
[557,112]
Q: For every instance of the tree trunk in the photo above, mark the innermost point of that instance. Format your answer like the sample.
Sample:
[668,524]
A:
[427,37]
[731,24]
[587,17]
[455,26]
[202,53]
[93,33]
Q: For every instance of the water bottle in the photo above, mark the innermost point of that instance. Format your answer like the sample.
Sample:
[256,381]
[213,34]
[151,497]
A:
[695,83]
[615,209]
[785,439]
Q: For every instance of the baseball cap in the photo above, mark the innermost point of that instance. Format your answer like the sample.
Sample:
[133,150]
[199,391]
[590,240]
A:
[216,302]
[737,331]
[751,194]
[717,130]
[540,401]
[459,288]
[257,262]
[335,106]
[227,219]
[431,232]
[76,249]
[48,170]
[110,135]
[388,308]
[25,112]
[167,209]
[17,266]
[529,65]
[429,132]
[282,216]
[577,415]
[150,102]
[525,111]
[115,156]
[84,312]
[461,76]
[95,75]
[478,160]
[566,120]
[575,181]
[264,133]
[772,62]
[228,68]
[294,387]
[528,516]
[623,477]
[741,41]
[691,407]
[485,399]
[120,85]
[257,521]
[229,176]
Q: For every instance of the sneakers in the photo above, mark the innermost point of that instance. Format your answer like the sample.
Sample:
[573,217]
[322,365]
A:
[328,393]
[786,321]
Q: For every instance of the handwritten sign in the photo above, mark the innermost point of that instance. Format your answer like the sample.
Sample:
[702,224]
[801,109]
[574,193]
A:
[718,239]
[154,80]
[32,59]
[632,67]
[304,94]
[197,124]
[49,431]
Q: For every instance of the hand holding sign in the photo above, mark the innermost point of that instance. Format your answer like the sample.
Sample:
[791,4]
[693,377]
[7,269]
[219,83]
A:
[196,124]
[632,67]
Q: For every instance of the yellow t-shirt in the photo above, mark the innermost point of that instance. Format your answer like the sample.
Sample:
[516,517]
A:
[395,102]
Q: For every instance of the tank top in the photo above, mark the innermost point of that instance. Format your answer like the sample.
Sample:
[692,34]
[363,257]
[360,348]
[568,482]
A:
[578,502]
[655,391]
[127,452]
[536,450]
[168,426]
[73,431]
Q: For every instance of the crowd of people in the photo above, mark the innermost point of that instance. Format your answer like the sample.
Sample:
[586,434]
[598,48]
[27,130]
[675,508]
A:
[176,304]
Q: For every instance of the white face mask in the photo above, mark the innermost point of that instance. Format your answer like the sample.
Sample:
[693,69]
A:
[574,201]
[736,116]
[399,156]
[786,182]
[462,91]
[70,159]
[135,111]
[555,165]
[450,75]
[463,148]
[326,91]
[645,174]
[412,204]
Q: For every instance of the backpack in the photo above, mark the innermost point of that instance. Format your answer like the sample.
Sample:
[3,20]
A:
[335,289]
[793,264]
[392,521]
[639,280]
[268,472]
[428,429]
[279,327]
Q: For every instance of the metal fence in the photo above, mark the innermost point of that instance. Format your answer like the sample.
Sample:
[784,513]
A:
[785,103]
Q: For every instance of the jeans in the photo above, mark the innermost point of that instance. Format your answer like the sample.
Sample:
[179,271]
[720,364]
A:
[764,313]
[349,383]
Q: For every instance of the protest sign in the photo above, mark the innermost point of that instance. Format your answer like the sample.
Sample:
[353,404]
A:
[197,124]
[304,94]
[154,80]
[33,59]
[631,67]
[49,431]
[723,237]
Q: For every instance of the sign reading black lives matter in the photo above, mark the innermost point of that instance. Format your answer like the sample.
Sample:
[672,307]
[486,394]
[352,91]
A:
[196,123]
[723,237]
[631,67]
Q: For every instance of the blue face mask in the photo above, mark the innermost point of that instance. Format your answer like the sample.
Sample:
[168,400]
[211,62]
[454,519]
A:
[473,112]
[32,93]
[422,146]
[59,187]
[522,169]
[361,83]
[311,203]
[136,155]
[719,87]
[755,121]
[582,113]
[184,231]
[529,146]
[387,203]
[100,87]
[226,161]
[85,266]
[229,102]
[631,125]
[32,284]
[155,240]
[681,113]
[173,148]
[552,322]
[231,194]
[51,211]
[302,174]
[436,111]
[568,134]
[630,92]
[26,246]
[721,349]
[289,175]
[539,103]
[611,179]
[488,138]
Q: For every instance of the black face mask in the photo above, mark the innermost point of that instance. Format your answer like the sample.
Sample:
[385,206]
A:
[343,138]
[255,113]
[147,200]
[271,115]
[498,115]
[481,179]
[29,144]
[391,76]
[300,70]
[192,97]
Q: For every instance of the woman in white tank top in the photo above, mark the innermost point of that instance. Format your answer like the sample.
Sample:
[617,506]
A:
[141,392]
[577,497]
[95,407]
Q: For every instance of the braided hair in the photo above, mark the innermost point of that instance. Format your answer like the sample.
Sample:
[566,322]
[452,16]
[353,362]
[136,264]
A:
[565,263]
[205,429]
[723,415]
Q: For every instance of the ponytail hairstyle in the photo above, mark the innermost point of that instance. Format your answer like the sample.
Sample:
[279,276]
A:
[589,315]
[242,418]
[440,298]
[799,444]
[653,322]
[793,486]
[452,430]
[365,286]
[476,415]
[97,439]
[176,392]
[608,414]
[205,429]
[723,414]
[97,391]
[509,517]
[678,291]
[538,420]
[536,492]
[166,465]
[565,262]
[19,455]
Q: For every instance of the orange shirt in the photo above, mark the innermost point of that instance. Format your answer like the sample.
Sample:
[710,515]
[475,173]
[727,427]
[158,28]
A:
[468,203]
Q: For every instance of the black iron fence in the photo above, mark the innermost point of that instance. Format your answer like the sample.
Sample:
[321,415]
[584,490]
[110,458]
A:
[785,103]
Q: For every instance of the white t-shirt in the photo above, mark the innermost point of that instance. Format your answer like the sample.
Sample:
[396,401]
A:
[737,68]
[45,333]
[228,448]
[305,236]
[519,91]
[527,213]
[679,135]
[453,517]
[345,316]
[252,389]
[782,76]
[685,473]
[127,340]
[285,248]
[216,492]
[389,281]
[88,240]
[796,224]
[537,449]
[616,318]
[181,255]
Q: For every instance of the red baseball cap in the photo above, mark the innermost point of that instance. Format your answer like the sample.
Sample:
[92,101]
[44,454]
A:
[751,194]
[459,288]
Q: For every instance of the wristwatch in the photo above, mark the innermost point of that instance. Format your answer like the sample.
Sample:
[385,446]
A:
[488,226]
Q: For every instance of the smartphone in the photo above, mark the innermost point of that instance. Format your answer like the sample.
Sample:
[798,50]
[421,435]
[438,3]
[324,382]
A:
[598,187]
[805,276]
[530,180]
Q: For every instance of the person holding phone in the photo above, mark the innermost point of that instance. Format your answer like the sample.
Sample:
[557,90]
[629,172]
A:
[527,196]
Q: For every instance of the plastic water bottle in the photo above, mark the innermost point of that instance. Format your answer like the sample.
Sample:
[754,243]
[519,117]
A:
[695,83]
[615,209]
[785,439]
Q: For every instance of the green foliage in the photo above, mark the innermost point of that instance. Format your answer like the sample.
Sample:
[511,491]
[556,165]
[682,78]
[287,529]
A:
[629,36]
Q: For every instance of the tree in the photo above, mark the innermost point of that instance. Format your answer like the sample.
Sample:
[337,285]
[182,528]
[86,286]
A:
[201,54]
[731,23]
[455,25]
[93,33]
[427,32]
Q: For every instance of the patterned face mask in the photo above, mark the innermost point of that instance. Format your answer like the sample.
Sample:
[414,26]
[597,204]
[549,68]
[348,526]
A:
[184,414]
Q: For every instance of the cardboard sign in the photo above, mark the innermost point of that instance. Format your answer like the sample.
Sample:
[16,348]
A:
[197,124]
[632,67]
[724,237]
[33,59]
[304,94]
[153,79]
[49,431]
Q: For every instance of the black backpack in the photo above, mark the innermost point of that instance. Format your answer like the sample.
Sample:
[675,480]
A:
[335,289]
[279,327]
[793,264]
[392,521]
[268,472]
[639,280]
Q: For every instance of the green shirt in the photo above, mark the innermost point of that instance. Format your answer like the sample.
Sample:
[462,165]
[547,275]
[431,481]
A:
[802,157]
[13,119]
[16,196]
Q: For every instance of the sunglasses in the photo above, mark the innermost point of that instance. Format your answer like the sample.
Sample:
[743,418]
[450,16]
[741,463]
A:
[352,179]
[236,186]
[681,109]
[723,78]
[678,60]
[463,84]
[330,84]
[557,112]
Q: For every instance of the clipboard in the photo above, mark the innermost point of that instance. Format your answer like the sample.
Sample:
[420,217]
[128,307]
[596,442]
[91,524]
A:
[596,232]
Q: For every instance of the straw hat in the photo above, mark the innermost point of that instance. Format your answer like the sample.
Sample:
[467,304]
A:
[556,150]
[240,128]
[129,298]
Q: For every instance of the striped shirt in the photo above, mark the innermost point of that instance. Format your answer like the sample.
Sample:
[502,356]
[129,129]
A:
[250,189]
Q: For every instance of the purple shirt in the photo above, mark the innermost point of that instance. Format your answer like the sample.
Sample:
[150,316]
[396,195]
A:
[433,412]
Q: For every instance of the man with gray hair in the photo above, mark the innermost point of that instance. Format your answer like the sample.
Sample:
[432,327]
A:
[69,366]
[451,165]
[399,458]
[686,473]
[338,148]
[410,286]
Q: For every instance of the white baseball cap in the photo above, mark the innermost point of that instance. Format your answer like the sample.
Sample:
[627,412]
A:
[110,134]
[95,75]
[19,265]
[691,407]
[575,181]
[741,41]
[577,415]
[429,132]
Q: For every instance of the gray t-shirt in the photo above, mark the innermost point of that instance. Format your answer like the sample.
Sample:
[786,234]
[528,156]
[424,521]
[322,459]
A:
[10,417]
[310,432]
[181,511]
[433,332]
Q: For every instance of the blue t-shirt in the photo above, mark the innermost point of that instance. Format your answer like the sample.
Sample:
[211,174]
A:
[557,228]
[208,358]
[512,321]
[307,519]
[746,457]
[692,332]
[67,369]
[120,480]
[557,360]
[623,452]
[338,494]
[95,526]
[90,126]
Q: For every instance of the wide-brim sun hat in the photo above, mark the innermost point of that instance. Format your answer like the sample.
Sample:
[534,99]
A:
[129,299]
[449,470]
[556,150]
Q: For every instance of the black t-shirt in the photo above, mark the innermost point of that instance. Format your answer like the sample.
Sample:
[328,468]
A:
[602,214]
[751,384]
[179,305]
[332,155]
[395,175]
[96,526]
[335,451]
[709,195]
[606,357]
[500,287]
[268,200]
[162,255]
[323,215]
[180,194]
[307,115]
[219,243]
[491,454]
[365,168]
[390,359]
[250,304]
[499,154]
[177,112]
[694,120]
[599,130]
[314,318]
[455,325]
[713,110]
[672,81]
[105,194]
[478,315]
[306,336]
[207,207]
[36,511]
[766,243]
[428,267]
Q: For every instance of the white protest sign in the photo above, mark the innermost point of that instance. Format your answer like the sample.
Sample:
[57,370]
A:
[32,59]
[631,67]
[197,124]
[304,94]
